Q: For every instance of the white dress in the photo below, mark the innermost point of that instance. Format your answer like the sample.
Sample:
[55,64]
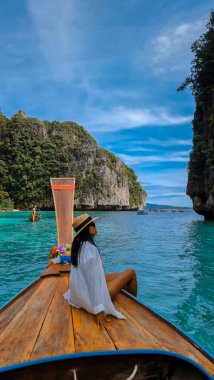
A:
[88,288]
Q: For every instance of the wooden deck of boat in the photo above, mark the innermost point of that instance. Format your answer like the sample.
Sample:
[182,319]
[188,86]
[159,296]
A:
[39,323]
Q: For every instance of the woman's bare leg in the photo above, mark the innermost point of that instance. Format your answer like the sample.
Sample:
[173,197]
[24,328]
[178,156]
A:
[125,280]
[110,276]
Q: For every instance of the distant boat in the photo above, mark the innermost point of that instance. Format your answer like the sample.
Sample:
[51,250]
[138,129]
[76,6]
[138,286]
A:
[141,211]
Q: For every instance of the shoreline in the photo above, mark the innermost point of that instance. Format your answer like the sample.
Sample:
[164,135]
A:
[169,210]
[108,210]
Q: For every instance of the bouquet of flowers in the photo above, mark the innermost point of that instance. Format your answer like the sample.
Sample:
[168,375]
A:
[60,253]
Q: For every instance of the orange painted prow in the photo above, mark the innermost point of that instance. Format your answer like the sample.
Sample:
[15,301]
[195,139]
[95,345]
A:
[63,195]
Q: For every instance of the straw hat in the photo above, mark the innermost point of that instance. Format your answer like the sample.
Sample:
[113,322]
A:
[80,222]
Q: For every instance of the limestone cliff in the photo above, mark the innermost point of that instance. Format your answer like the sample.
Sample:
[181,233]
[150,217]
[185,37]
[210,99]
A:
[32,151]
[200,186]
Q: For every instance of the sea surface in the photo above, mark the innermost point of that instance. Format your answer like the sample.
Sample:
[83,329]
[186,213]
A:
[172,253]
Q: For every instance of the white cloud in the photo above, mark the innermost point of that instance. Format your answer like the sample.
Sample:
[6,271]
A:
[176,200]
[142,145]
[121,118]
[166,143]
[170,157]
[164,178]
[167,186]
[134,149]
[171,50]
[158,143]
[167,194]
[163,44]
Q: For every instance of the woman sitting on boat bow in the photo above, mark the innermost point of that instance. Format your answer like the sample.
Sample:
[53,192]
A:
[90,288]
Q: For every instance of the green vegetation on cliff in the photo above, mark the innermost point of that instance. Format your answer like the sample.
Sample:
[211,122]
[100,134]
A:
[201,82]
[32,151]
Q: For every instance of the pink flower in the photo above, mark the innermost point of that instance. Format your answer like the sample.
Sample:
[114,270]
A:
[61,249]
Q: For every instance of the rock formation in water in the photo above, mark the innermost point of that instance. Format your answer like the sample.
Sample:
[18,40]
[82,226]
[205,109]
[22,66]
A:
[32,151]
[200,186]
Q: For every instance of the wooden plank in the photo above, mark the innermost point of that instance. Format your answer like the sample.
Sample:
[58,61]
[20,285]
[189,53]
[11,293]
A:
[153,324]
[129,334]
[56,335]
[87,335]
[170,338]
[9,311]
[56,269]
[64,268]
[18,338]
[50,271]
[64,207]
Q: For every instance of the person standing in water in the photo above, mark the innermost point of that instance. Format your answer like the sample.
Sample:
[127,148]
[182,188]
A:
[36,213]
[33,214]
[90,288]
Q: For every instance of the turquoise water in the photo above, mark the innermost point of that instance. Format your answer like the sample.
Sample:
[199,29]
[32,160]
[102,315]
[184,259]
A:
[172,253]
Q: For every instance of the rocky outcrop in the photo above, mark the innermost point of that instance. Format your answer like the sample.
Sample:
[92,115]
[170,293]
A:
[106,182]
[200,186]
[34,150]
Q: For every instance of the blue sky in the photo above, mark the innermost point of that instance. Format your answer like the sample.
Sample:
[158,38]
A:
[113,67]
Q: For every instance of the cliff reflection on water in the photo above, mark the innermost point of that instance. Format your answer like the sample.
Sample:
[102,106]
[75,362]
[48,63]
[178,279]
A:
[172,254]
[199,303]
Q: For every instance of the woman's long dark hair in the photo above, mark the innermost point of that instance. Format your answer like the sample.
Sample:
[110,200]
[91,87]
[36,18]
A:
[84,235]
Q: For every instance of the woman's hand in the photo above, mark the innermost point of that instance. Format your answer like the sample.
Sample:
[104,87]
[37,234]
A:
[100,318]
[101,321]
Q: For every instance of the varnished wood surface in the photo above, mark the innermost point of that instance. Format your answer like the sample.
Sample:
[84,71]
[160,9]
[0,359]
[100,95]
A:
[40,323]
[64,206]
